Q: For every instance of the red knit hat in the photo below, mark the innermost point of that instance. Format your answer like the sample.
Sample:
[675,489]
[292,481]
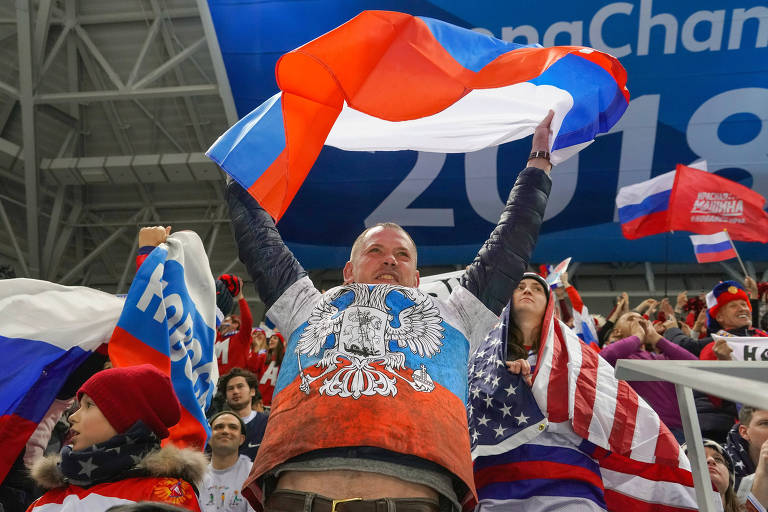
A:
[128,394]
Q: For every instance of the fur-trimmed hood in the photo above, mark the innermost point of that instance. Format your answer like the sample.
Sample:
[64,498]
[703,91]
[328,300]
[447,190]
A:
[185,463]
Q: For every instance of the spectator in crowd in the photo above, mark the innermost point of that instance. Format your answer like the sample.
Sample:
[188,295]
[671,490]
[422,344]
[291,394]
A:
[220,491]
[639,340]
[233,341]
[730,314]
[371,446]
[747,444]
[114,454]
[271,368]
[720,468]
[732,311]
[242,397]
[258,352]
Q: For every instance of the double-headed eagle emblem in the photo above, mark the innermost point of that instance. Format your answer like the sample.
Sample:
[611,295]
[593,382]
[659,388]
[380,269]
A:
[361,333]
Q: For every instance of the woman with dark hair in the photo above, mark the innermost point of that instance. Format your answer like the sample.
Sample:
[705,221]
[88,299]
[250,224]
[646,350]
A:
[526,312]
[268,378]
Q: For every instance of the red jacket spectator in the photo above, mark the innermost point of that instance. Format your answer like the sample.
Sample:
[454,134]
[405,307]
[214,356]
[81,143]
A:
[233,341]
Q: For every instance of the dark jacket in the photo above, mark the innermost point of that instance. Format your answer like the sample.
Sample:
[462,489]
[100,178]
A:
[491,277]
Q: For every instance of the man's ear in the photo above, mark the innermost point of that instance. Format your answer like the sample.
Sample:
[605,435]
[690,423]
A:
[743,433]
[347,273]
[242,439]
[417,279]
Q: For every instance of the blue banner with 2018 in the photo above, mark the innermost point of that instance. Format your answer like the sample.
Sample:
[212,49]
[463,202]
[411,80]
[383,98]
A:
[698,76]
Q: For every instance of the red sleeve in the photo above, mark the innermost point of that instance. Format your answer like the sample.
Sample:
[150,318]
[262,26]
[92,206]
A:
[240,343]
[690,319]
[708,353]
[575,298]
[246,320]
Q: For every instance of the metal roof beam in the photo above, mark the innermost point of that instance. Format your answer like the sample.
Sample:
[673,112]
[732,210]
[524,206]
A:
[127,94]
[169,64]
[41,32]
[128,17]
[89,44]
[29,150]
[96,252]
[153,29]
[225,92]
[14,241]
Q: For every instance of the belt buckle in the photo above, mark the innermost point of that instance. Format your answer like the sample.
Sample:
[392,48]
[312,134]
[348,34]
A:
[336,502]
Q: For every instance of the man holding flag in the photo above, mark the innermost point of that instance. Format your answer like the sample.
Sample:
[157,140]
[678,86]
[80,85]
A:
[369,409]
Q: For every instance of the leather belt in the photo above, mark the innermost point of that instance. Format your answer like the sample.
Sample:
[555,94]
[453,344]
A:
[295,501]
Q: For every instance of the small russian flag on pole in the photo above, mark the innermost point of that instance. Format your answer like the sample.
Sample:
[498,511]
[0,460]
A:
[715,247]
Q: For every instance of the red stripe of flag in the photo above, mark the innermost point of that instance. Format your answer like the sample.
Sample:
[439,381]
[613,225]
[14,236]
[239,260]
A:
[667,448]
[531,470]
[646,225]
[557,392]
[586,386]
[624,419]
[710,257]
[618,501]
[650,471]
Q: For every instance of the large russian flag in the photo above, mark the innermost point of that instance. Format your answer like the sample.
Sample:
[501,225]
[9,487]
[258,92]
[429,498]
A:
[46,331]
[169,321]
[387,81]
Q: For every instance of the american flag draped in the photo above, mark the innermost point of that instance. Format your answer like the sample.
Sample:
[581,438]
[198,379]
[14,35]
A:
[577,439]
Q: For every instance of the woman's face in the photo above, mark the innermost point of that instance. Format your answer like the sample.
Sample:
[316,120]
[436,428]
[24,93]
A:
[529,300]
[273,341]
[718,470]
[89,426]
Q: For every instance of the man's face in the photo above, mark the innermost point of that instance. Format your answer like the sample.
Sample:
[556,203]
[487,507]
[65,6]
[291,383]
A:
[226,436]
[89,425]
[228,325]
[385,256]
[239,394]
[734,315]
[756,433]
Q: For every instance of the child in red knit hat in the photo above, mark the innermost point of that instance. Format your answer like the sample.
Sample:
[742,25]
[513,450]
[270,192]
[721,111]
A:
[114,454]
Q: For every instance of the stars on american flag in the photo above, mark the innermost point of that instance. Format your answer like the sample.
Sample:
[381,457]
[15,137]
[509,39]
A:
[500,403]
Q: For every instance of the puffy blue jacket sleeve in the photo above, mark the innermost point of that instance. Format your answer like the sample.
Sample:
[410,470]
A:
[503,258]
[271,265]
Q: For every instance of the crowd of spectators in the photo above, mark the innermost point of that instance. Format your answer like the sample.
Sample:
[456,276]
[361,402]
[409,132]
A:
[301,452]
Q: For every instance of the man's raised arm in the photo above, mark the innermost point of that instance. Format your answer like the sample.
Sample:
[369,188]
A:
[270,263]
[503,258]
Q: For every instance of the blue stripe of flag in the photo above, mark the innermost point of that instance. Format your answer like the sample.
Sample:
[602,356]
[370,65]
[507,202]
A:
[523,489]
[533,453]
[654,203]
[252,147]
[469,48]
[40,371]
[590,115]
[718,247]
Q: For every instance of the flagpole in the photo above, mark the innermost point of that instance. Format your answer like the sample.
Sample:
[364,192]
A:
[743,268]
[666,262]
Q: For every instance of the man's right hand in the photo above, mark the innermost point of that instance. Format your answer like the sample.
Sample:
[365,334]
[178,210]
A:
[153,236]
[541,143]
[722,350]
